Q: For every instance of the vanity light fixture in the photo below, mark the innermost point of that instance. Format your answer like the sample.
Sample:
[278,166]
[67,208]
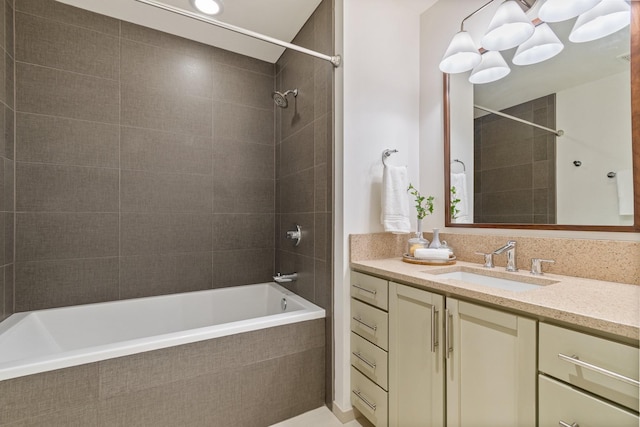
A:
[605,18]
[543,45]
[461,55]
[561,10]
[492,67]
[536,41]
[508,28]
[208,7]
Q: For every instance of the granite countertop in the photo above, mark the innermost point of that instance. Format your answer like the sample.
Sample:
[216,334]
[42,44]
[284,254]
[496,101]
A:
[608,308]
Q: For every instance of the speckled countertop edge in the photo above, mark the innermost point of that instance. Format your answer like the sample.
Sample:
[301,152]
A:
[608,307]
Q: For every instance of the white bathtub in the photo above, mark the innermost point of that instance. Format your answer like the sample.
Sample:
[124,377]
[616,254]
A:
[45,340]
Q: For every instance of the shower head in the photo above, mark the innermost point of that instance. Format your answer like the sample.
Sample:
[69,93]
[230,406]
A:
[281,98]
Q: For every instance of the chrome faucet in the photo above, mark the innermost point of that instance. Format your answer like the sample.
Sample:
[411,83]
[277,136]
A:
[510,247]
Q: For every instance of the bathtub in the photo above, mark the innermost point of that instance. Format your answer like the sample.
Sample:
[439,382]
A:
[46,340]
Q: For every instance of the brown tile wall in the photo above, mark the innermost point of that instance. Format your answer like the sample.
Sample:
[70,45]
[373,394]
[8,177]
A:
[7,159]
[252,379]
[515,166]
[144,162]
[304,149]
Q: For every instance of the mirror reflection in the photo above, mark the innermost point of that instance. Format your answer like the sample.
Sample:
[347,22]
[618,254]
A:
[551,143]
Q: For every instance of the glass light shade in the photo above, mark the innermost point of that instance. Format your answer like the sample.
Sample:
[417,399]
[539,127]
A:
[508,28]
[561,10]
[492,67]
[606,18]
[209,7]
[461,55]
[542,45]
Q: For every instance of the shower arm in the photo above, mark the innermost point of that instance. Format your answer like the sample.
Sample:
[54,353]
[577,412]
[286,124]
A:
[335,60]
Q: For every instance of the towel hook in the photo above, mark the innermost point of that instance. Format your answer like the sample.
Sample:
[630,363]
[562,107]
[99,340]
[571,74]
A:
[464,168]
[611,175]
[387,153]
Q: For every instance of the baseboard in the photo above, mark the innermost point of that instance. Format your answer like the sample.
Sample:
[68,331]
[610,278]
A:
[343,416]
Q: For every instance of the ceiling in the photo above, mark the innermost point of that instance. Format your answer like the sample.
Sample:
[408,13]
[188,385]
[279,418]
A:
[281,19]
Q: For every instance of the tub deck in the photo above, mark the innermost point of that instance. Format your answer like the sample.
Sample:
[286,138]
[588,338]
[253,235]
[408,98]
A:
[44,340]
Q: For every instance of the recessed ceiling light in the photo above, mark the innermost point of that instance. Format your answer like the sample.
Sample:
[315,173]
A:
[210,7]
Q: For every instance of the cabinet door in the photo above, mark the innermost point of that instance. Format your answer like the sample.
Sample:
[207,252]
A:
[416,362]
[491,367]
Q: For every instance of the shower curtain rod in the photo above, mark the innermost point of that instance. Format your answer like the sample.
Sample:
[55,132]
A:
[335,60]
[558,132]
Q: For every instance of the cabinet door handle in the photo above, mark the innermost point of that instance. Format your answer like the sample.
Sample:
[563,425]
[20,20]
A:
[372,365]
[434,329]
[563,424]
[366,325]
[576,361]
[447,332]
[366,402]
[372,292]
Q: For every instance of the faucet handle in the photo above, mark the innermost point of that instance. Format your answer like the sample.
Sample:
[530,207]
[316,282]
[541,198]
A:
[488,259]
[536,265]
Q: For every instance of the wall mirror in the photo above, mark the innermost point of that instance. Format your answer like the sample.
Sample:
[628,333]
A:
[520,176]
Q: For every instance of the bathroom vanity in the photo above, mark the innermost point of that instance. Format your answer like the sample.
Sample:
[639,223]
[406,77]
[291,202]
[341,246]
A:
[444,346]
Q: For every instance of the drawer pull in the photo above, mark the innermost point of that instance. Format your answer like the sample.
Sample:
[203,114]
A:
[373,328]
[366,402]
[365,361]
[576,361]
[563,424]
[372,292]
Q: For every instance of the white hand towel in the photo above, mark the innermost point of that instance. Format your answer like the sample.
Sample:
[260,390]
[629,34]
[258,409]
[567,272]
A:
[624,181]
[459,180]
[429,253]
[395,200]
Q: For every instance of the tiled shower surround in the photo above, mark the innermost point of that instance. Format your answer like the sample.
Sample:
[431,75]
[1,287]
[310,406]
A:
[144,162]
[7,163]
[304,154]
[148,164]
[514,178]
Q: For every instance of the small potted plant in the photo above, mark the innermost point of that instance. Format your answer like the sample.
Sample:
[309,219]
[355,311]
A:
[424,207]
[453,207]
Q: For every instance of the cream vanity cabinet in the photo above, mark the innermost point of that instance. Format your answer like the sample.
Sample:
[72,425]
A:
[416,362]
[586,380]
[369,347]
[486,358]
[491,366]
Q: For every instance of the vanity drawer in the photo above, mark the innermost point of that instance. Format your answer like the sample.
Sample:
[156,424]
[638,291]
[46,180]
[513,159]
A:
[369,399]
[585,361]
[562,403]
[369,289]
[369,359]
[370,323]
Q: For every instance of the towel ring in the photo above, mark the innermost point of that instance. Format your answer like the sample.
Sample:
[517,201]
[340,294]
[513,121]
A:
[387,153]
[464,168]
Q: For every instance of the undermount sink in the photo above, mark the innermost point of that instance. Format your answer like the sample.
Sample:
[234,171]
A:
[477,278]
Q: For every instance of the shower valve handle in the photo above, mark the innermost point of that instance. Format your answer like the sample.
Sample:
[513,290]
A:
[295,235]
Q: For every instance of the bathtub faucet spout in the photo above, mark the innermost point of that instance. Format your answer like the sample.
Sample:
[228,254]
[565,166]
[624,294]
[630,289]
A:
[285,278]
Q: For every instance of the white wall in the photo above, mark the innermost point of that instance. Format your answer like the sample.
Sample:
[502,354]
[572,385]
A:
[585,195]
[381,99]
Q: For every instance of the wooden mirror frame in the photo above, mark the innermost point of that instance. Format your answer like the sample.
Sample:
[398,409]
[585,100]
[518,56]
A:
[635,147]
